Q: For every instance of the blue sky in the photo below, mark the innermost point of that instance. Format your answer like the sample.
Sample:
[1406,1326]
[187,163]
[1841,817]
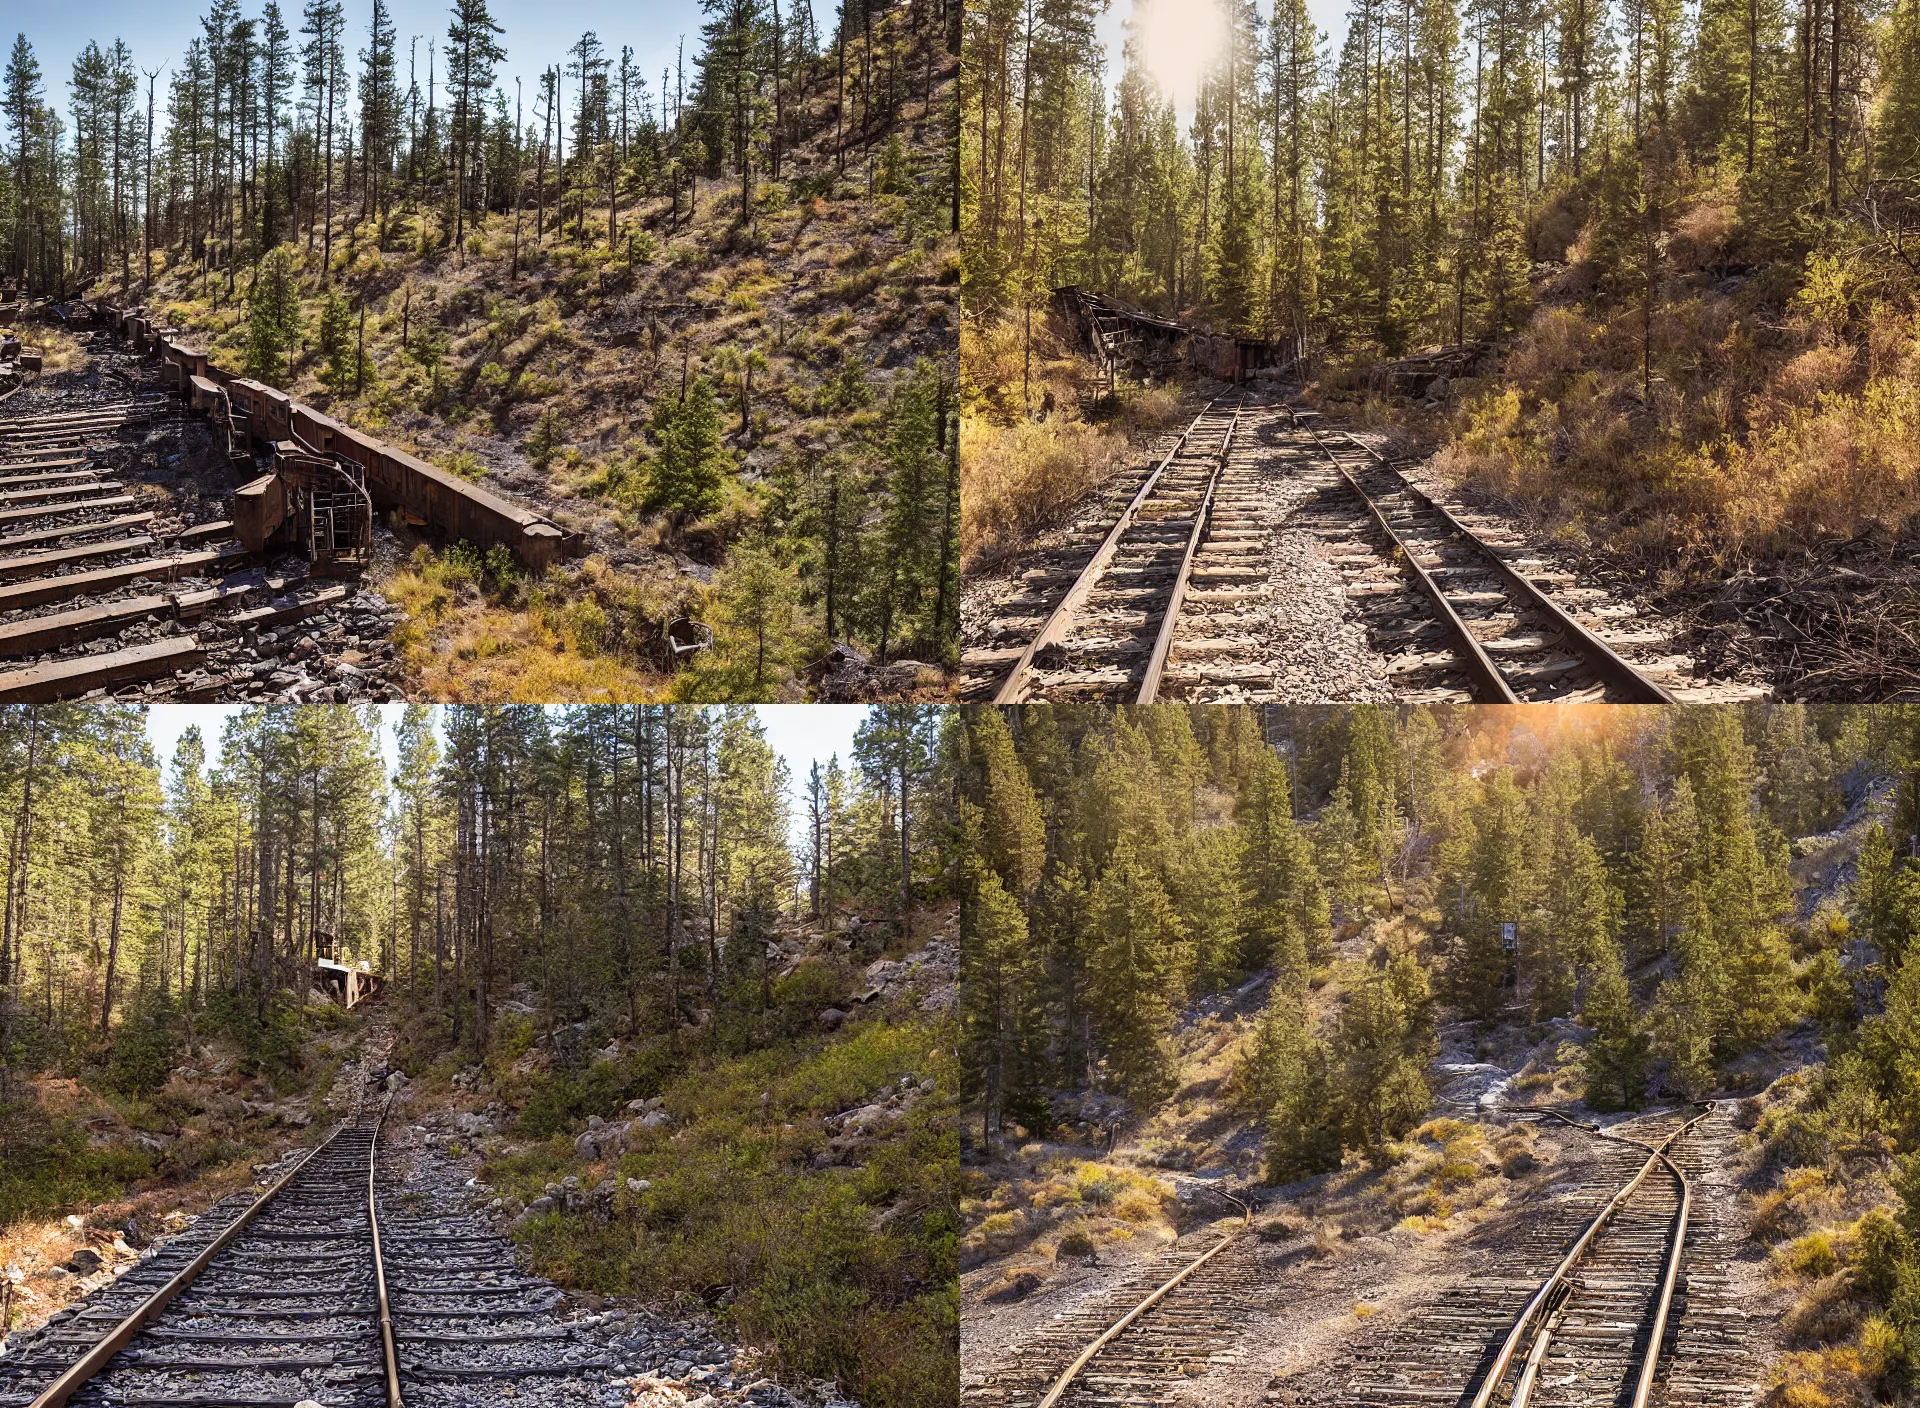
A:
[538,32]
[799,733]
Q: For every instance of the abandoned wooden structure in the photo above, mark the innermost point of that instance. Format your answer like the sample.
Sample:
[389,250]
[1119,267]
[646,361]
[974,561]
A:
[333,478]
[349,984]
[1120,337]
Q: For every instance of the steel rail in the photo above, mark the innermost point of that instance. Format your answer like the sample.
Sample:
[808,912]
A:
[1553,1292]
[1163,643]
[1013,689]
[1643,1392]
[1480,668]
[389,1355]
[95,1359]
[1118,1327]
[1597,653]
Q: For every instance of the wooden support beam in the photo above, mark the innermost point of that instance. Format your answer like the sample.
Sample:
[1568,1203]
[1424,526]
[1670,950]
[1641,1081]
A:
[17,515]
[68,679]
[42,590]
[60,557]
[38,633]
[77,530]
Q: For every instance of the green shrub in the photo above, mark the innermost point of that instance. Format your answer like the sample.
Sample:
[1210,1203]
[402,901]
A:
[562,1102]
[1880,1245]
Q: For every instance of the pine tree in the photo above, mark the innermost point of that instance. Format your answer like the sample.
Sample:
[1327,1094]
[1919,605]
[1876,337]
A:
[335,344]
[1208,897]
[1274,857]
[473,52]
[1497,884]
[1135,955]
[1380,1054]
[757,595]
[1002,1036]
[689,473]
[273,319]
[1617,1052]
[1013,832]
[1288,1080]
[1336,838]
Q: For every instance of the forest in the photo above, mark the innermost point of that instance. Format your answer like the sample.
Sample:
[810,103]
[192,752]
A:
[1688,231]
[1127,863]
[585,287]
[637,874]
[1703,901]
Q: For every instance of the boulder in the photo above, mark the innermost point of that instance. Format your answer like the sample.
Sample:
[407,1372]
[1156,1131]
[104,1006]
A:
[831,1018]
[600,1200]
[570,1041]
[84,1260]
[540,1206]
[587,1147]
[637,1186]
[655,1119]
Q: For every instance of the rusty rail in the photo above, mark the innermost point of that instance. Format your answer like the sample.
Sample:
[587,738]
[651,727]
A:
[1014,688]
[1596,653]
[389,1355]
[1531,1327]
[1202,520]
[58,1393]
[1115,1330]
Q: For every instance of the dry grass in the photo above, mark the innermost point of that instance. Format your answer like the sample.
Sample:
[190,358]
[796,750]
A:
[1762,434]
[465,637]
[1444,1167]
[1068,1207]
[1021,475]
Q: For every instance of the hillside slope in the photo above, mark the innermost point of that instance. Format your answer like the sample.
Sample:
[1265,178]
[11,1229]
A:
[812,340]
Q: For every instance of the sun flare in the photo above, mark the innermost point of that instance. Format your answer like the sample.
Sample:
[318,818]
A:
[1177,40]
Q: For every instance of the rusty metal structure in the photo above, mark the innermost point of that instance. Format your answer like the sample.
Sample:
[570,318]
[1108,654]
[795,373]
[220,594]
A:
[332,478]
[99,540]
[1122,338]
[1431,373]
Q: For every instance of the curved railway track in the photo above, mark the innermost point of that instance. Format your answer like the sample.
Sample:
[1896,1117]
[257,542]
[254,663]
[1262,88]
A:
[1594,1330]
[1586,1319]
[1176,601]
[1139,1342]
[333,1286]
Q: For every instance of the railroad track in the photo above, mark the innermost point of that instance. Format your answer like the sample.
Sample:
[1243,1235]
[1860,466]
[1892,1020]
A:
[1110,635]
[1464,609]
[1176,598]
[333,1287]
[1137,1343]
[1577,1308]
[119,573]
